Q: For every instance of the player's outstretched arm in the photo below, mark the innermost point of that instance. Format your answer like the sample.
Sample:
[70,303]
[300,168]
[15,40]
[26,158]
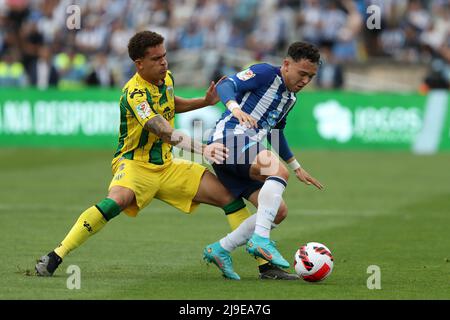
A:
[215,152]
[278,141]
[211,98]
[302,174]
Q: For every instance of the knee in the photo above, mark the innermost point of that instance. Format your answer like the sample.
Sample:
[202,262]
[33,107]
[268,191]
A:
[224,198]
[123,198]
[122,202]
[220,198]
[282,213]
[283,172]
[212,191]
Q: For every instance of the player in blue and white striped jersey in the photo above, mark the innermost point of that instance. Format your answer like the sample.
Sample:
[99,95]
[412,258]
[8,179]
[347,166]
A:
[260,93]
[258,101]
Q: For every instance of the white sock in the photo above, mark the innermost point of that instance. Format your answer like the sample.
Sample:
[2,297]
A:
[269,201]
[240,235]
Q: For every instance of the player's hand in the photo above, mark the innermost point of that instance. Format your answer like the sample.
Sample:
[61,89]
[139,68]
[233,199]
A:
[215,152]
[305,177]
[244,118]
[211,96]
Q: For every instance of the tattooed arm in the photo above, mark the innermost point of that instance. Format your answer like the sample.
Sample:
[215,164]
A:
[159,126]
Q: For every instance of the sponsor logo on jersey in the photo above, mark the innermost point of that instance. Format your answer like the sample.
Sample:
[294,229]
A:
[168,113]
[136,92]
[143,110]
[246,75]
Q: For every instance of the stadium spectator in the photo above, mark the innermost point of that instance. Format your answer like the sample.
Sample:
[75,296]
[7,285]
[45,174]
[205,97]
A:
[417,16]
[330,74]
[119,35]
[92,38]
[390,42]
[408,27]
[101,73]
[264,38]
[47,19]
[237,37]
[438,29]
[122,67]
[31,41]
[17,13]
[72,68]
[332,19]
[12,71]
[191,36]
[310,21]
[346,42]
[42,73]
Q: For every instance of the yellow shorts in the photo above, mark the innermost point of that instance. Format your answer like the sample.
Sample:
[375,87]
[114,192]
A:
[175,183]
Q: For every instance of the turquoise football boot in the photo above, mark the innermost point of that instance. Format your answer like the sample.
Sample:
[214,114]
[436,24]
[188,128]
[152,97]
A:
[221,258]
[265,248]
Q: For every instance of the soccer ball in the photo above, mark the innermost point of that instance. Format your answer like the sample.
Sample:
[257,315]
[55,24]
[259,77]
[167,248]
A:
[313,262]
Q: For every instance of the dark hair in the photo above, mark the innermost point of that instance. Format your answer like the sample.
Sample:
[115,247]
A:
[303,50]
[139,43]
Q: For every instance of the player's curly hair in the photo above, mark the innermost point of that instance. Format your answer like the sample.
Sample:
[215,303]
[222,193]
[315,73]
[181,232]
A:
[303,50]
[139,43]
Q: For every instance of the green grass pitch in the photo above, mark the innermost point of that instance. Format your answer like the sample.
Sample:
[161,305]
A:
[389,209]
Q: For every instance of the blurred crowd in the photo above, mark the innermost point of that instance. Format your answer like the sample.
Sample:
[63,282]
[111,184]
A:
[37,47]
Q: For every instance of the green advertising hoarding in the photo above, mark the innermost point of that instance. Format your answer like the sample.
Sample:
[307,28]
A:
[58,118]
[342,120]
[319,120]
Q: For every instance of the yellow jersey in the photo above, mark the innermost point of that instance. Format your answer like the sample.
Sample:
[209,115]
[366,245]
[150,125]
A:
[141,101]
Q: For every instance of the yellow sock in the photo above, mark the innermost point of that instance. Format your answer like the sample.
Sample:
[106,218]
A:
[89,222]
[235,219]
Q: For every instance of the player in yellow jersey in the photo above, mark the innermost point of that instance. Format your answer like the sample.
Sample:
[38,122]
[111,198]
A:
[143,167]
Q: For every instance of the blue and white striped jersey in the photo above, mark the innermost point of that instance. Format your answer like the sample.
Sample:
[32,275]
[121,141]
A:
[261,93]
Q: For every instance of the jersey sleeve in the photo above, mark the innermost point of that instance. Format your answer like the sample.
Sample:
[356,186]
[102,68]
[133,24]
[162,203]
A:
[140,105]
[249,79]
[281,146]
